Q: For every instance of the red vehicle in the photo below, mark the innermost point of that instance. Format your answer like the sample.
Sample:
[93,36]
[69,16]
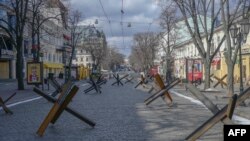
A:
[196,77]
[153,71]
[194,71]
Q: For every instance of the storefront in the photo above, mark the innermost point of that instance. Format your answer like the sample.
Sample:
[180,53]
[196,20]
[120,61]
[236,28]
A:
[7,63]
[55,68]
[7,58]
[219,66]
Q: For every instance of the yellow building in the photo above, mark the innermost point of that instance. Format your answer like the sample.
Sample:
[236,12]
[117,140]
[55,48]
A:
[245,51]
[188,50]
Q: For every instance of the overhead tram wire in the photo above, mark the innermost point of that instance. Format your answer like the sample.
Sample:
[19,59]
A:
[122,12]
[105,14]
[116,21]
[149,26]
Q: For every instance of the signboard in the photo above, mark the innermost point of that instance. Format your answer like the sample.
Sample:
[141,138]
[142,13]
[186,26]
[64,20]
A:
[34,73]
[7,52]
[245,50]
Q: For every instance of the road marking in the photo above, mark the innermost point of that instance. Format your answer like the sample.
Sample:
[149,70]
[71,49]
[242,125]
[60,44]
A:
[5,83]
[236,118]
[85,84]
[29,100]
[21,102]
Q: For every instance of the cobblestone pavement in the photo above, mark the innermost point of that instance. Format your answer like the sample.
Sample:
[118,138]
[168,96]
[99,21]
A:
[119,113]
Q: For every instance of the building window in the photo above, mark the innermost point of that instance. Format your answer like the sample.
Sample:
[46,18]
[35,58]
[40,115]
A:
[192,50]
[49,57]
[81,59]
[212,47]
[81,51]
[195,51]
[218,65]
[54,57]
[218,40]
[60,58]
[87,59]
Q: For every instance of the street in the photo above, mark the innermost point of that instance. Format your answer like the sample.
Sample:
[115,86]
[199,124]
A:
[173,70]
[119,113]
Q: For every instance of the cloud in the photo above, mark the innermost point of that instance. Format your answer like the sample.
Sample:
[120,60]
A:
[142,14]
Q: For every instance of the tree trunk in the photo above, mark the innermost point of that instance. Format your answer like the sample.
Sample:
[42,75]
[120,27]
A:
[207,74]
[70,61]
[230,80]
[38,46]
[168,71]
[19,67]
[33,46]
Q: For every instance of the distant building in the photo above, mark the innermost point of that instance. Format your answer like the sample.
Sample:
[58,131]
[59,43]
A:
[83,58]
[90,39]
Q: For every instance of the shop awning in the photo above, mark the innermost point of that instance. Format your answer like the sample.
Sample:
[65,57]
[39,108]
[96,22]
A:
[53,65]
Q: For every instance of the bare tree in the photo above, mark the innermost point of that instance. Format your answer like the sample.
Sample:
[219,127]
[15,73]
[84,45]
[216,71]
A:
[135,59]
[74,19]
[39,13]
[168,38]
[95,43]
[203,15]
[228,19]
[113,58]
[16,22]
[145,45]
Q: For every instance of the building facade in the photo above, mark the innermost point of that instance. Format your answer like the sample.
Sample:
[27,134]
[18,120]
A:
[83,58]
[91,40]
[181,50]
[7,50]
[54,40]
[188,60]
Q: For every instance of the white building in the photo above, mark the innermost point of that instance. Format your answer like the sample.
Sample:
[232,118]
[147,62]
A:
[83,58]
[183,48]
[90,39]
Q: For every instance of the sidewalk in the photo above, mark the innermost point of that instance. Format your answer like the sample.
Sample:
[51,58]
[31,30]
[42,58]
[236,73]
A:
[219,98]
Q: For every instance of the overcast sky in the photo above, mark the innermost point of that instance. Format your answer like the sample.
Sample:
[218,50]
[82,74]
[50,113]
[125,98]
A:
[142,14]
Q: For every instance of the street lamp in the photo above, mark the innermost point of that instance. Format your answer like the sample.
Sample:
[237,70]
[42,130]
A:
[239,35]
